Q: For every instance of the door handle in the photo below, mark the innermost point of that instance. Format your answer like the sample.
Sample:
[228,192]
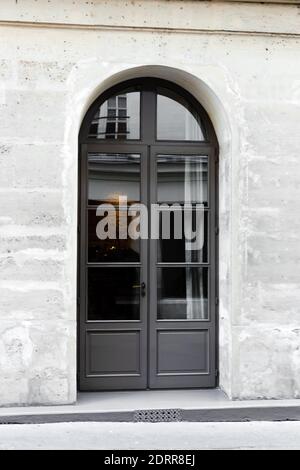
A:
[141,286]
[143,289]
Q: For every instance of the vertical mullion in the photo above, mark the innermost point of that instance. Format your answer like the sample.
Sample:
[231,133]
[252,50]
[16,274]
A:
[148,116]
[148,135]
[143,243]
[144,268]
[152,273]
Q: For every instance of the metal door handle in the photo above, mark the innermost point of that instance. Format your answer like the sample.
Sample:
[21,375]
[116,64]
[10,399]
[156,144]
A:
[143,289]
[141,286]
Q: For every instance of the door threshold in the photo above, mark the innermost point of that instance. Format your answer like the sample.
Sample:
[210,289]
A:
[131,400]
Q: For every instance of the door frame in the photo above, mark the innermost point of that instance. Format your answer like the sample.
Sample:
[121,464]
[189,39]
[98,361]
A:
[145,139]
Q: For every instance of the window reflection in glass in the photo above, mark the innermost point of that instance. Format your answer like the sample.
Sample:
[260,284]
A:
[182,293]
[113,175]
[182,178]
[113,293]
[176,119]
[118,118]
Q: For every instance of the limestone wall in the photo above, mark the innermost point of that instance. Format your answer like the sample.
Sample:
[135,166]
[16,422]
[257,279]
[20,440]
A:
[242,61]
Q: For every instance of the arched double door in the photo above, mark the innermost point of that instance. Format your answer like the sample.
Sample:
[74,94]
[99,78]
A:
[147,307]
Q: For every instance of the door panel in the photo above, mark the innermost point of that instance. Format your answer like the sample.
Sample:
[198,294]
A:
[182,277]
[113,305]
[102,362]
[182,352]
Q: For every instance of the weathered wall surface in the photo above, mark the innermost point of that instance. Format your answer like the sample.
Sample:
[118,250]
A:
[49,74]
[174,14]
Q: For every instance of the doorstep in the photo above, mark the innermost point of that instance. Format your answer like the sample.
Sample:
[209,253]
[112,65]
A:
[155,405]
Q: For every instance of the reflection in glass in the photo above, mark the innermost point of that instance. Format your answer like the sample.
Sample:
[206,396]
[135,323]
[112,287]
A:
[182,178]
[184,248]
[182,293]
[113,175]
[111,250]
[118,118]
[113,293]
[176,120]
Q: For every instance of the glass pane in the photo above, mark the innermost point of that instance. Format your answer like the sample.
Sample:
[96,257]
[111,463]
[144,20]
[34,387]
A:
[183,235]
[112,248]
[182,178]
[176,120]
[118,118]
[113,175]
[182,293]
[113,294]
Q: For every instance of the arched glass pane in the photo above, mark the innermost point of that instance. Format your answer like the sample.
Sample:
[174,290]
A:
[118,118]
[176,120]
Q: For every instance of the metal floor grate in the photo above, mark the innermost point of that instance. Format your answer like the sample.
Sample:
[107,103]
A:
[156,416]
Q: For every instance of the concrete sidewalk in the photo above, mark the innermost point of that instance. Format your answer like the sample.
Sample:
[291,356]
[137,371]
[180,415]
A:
[256,435]
[174,405]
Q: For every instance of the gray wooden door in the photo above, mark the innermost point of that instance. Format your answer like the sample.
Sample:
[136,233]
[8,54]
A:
[147,307]
[182,273]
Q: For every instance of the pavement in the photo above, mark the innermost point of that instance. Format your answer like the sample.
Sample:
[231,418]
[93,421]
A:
[188,405]
[134,436]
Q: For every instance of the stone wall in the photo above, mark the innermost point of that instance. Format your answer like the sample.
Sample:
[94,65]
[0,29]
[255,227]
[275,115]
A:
[242,61]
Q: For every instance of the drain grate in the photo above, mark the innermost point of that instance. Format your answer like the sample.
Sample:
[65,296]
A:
[156,416]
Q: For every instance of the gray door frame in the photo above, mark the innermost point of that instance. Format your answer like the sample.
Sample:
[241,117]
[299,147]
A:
[148,326]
